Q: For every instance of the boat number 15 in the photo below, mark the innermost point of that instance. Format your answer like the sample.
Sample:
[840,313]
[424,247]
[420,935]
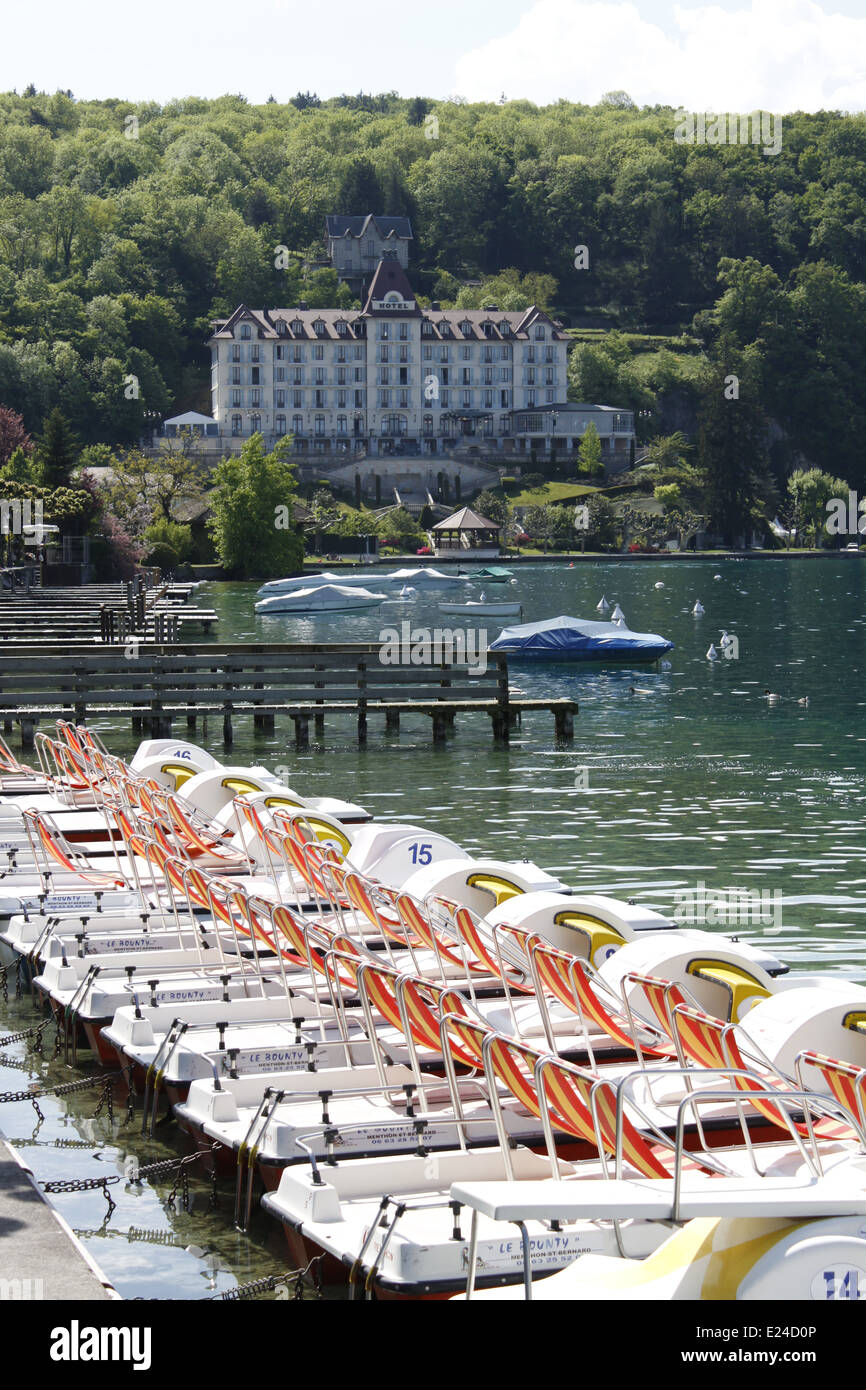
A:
[421,854]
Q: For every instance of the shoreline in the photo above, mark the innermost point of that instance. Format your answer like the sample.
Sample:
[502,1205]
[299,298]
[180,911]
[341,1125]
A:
[576,557]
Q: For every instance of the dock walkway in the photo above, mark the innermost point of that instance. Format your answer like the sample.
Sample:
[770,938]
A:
[40,1257]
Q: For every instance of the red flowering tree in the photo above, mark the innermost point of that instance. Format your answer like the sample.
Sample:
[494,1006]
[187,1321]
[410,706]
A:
[12,434]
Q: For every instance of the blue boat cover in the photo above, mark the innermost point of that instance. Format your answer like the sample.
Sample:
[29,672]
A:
[562,637]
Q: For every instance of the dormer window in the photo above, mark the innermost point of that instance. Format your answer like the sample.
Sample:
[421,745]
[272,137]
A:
[466,328]
[445,329]
[319,328]
[297,327]
[342,328]
[505,328]
[282,327]
[539,332]
[392,297]
[245,330]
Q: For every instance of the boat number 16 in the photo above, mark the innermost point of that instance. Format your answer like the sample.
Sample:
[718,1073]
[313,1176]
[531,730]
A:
[421,854]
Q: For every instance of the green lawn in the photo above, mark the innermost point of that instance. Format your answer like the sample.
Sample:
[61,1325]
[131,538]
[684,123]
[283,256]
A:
[550,492]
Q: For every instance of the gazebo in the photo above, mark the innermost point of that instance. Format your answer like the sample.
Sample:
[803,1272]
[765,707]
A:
[468,533]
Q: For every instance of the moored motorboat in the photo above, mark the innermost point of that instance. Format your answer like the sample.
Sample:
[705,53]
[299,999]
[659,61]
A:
[325,598]
[566,639]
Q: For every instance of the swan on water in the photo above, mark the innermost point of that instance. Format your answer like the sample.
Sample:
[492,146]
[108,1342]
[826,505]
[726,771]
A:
[712,654]
[658,585]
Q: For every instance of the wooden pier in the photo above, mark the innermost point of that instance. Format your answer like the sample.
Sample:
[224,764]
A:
[156,611]
[156,686]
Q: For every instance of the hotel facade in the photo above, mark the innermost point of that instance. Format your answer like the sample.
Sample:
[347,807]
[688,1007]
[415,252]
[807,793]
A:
[397,380]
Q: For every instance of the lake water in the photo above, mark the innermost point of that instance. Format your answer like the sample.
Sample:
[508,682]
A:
[694,779]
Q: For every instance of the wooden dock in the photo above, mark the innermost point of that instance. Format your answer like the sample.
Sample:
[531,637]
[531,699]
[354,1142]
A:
[103,613]
[155,686]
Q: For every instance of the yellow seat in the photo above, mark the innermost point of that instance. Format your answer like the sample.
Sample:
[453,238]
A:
[856,1021]
[601,938]
[739,985]
[240,786]
[181,772]
[500,888]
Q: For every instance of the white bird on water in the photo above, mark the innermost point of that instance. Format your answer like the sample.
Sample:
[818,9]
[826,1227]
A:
[717,576]
[727,640]
[712,654]
[658,585]
[603,606]
[698,609]
[772,697]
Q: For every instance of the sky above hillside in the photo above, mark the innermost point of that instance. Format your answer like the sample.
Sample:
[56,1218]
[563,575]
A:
[732,55]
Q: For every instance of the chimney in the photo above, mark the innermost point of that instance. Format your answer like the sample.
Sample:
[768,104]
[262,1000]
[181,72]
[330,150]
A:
[435,307]
[302,304]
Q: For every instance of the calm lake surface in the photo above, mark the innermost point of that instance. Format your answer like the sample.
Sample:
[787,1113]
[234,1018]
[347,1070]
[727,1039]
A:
[694,779]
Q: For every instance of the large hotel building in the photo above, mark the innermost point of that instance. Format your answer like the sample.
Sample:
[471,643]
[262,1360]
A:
[394,379]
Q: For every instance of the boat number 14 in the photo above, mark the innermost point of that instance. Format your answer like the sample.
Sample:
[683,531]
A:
[421,854]
[845,1282]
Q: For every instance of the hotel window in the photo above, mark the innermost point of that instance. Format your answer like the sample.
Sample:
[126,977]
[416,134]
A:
[281,398]
[320,424]
[466,328]
[255,353]
[237,424]
[539,333]
[488,399]
[359,400]
[298,400]
[530,376]
[359,373]
[505,398]
[404,376]
[245,330]
[549,395]
[255,398]
[505,328]
[297,353]
[341,399]
[341,353]
[488,376]
[404,399]
[529,424]
[319,328]
[255,424]
[280,374]
[298,376]
[319,376]
[505,354]
[443,399]
[341,376]
[236,398]
[445,329]
[504,373]
[504,424]
[342,329]
[444,375]
[384,354]
[236,353]
[427,352]
[428,424]
[466,354]
[319,402]
[404,354]
[297,424]
[236,376]
[359,352]
[426,330]
[254,377]
[297,326]
[467,398]
[318,353]
[281,424]
[530,398]
[529,355]
[466,376]
[548,354]
[404,330]
[341,425]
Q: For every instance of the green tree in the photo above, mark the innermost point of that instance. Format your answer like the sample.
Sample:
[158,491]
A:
[57,450]
[494,508]
[669,495]
[810,491]
[589,452]
[252,526]
[732,447]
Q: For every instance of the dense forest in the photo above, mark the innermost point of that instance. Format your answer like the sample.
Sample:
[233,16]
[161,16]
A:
[125,228]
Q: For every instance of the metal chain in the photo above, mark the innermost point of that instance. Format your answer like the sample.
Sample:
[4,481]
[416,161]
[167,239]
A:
[4,982]
[85,1185]
[18,963]
[25,1033]
[269,1283]
[106,1100]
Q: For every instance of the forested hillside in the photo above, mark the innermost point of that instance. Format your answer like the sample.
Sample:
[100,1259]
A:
[124,229]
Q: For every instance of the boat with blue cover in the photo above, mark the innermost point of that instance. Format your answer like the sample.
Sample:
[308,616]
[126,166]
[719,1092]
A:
[579,639]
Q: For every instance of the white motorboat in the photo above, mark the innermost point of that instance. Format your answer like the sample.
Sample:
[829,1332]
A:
[483,608]
[327,598]
[420,578]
